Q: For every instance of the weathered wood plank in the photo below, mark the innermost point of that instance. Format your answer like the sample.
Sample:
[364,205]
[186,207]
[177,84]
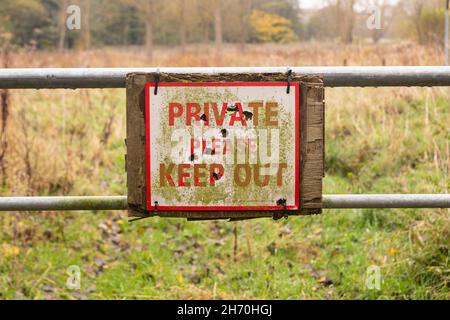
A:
[312,145]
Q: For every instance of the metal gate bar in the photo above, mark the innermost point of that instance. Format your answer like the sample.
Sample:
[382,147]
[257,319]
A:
[39,78]
[53,78]
[330,201]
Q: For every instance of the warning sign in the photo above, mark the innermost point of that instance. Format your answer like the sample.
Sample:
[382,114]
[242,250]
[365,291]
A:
[222,146]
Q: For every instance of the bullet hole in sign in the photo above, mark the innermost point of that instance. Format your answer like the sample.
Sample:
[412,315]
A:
[193,157]
[248,115]
[233,108]
[224,133]
[216,176]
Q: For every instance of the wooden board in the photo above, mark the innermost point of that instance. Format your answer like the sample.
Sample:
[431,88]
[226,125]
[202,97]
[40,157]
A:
[311,143]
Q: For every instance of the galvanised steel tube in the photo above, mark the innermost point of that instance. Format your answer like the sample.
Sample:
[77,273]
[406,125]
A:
[40,78]
[329,201]
[63,203]
[386,201]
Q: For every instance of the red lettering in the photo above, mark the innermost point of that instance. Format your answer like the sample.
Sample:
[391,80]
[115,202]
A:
[183,174]
[192,111]
[198,174]
[172,113]
[206,113]
[219,118]
[255,106]
[238,115]
[215,174]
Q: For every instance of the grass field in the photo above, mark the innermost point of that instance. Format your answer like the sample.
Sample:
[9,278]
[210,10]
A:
[378,140]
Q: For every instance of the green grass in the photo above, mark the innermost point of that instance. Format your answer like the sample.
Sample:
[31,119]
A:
[374,145]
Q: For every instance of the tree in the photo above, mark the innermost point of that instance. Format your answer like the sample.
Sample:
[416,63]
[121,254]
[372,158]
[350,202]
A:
[346,15]
[426,19]
[149,16]
[28,21]
[288,9]
[218,38]
[62,24]
[183,26]
[246,6]
[432,23]
[413,9]
[269,27]
[86,28]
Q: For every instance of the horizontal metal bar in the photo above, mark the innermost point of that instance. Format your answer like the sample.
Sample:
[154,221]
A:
[329,201]
[39,78]
[386,201]
[63,203]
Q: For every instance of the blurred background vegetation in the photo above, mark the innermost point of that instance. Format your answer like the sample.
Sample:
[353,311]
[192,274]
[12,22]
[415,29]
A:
[40,23]
[71,142]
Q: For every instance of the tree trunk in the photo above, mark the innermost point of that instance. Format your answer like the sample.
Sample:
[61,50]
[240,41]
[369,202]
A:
[149,30]
[62,26]
[218,26]
[418,21]
[347,16]
[246,6]
[86,27]
[183,26]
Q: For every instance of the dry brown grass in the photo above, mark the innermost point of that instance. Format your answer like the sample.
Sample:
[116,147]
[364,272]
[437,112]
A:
[300,54]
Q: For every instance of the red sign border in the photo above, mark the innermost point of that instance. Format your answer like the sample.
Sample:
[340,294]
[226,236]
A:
[151,207]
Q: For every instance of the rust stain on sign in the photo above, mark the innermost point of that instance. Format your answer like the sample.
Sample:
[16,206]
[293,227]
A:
[222,146]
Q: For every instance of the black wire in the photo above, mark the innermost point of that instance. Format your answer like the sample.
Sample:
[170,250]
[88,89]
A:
[156,84]
[289,74]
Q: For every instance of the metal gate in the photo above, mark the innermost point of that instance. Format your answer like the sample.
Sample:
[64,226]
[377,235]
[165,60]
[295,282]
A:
[73,78]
